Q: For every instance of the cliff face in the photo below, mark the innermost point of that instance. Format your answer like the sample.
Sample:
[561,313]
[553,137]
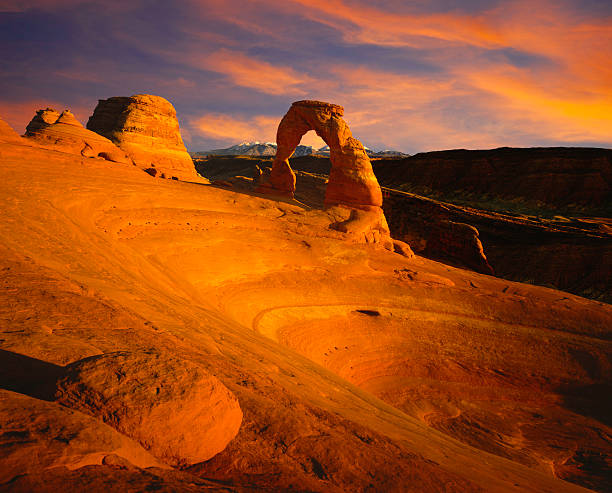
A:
[146,128]
[568,254]
[556,176]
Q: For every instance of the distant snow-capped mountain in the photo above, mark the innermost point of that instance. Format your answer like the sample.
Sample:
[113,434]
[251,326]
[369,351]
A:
[324,151]
[263,149]
[389,153]
[259,149]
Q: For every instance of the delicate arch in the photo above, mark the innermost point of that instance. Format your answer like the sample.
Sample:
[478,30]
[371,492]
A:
[351,180]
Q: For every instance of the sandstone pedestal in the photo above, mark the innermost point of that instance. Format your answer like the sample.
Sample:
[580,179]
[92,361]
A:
[42,119]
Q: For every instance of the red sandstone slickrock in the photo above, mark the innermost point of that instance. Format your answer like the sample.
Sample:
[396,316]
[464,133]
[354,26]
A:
[146,128]
[356,369]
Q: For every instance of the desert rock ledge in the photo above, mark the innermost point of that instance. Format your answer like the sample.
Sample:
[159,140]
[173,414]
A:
[147,129]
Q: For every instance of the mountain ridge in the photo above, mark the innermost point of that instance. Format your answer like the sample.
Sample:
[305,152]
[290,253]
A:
[261,149]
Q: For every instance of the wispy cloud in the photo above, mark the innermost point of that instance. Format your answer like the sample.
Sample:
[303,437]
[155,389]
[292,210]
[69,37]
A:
[224,126]
[410,75]
[257,74]
[232,129]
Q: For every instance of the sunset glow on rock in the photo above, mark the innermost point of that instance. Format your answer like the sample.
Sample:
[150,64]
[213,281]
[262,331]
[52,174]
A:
[324,246]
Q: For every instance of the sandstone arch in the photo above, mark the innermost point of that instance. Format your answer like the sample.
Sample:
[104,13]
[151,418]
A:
[352,182]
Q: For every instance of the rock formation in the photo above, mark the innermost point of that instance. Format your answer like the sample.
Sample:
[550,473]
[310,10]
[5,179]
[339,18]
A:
[147,129]
[7,134]
[64,132]
[352,183]
[42,119]
[175,409]
[68,118]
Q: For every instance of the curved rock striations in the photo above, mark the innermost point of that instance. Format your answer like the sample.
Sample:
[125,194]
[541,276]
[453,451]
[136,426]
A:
[66,134]
[204,267]
[352,183]
[463,373]
[175,409]
[147,129]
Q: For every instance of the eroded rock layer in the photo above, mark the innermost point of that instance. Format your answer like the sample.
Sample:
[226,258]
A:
[575,178]
[67,134]
[42,119]
[39,435]
[147,129]
[488,385]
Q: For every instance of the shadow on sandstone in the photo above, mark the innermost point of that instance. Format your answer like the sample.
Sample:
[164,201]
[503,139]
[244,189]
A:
[28,376]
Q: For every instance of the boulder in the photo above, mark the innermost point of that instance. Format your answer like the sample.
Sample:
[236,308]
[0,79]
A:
[175,409]
[147,129]
[38,435]
[460,242]
[42,119]
[68,118]
[67,134]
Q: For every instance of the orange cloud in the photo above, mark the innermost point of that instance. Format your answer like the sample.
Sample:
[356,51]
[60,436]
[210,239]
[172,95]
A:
[572,115]
[369,24]
[565,95]
[247,71]
[222,126]
[260,128]
[519,73]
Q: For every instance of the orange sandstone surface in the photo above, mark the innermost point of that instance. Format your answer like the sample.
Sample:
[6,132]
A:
[158,334]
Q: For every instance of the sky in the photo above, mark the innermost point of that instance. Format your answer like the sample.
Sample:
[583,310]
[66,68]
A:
[412,76]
